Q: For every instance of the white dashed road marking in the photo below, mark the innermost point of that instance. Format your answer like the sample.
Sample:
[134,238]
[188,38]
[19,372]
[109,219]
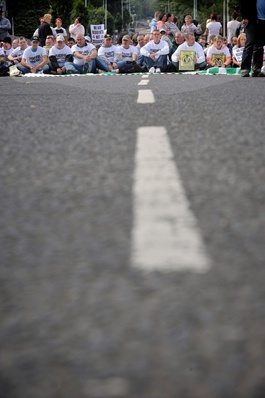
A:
[145,97]
[143,82]
[165,233]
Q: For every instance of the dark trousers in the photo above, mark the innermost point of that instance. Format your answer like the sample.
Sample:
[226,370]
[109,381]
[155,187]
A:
[254,46]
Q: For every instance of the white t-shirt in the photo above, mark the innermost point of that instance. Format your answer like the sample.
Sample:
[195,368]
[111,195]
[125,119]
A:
[59,32]
[60,54]
[214,50]
[232,26]
[34,58]
[86,50]
[213,28]
[109,54]
[127,53]
[74,30]
[151,47]
[199,54]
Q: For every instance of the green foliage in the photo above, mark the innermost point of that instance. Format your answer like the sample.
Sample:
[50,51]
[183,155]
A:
[96,16]
[62,10]
[118,22]
[79,10]
[26,16]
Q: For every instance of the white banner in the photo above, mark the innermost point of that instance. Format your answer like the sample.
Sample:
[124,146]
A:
[97,33]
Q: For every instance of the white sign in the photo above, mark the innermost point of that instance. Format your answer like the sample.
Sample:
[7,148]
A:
[237,53]
[97,33]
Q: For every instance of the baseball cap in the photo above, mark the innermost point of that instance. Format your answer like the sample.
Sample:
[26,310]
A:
[107,36]
[59,38]
[35,38]
[87,38]
[162,30]
[126,37]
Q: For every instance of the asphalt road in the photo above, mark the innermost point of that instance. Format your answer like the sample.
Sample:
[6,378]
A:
[77,319]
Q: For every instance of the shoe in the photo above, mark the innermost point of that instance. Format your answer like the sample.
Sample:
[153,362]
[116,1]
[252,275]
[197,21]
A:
[152,70]
[245,73]
[85,67]
[138,68]
[258,73]
[158,70]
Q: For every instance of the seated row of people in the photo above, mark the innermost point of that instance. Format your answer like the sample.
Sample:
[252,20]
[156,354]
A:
[82,57]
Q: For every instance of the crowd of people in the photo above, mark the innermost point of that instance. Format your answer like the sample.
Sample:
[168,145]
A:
[168,47]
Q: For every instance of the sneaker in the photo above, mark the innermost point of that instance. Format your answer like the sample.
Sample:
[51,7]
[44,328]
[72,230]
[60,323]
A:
[158,70]
[152,70]
[245,73]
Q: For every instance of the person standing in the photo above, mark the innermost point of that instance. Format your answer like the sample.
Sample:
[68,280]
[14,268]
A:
[59,30]
[5,26]
[232,26]
[253,17]
[76,28]
[45,29]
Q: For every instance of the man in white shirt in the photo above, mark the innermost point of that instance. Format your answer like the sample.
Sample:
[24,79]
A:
[109,53]
[127,55]
[16,55]
[85,58]
[155,54]
[34,58]
[191,45]
[58,55]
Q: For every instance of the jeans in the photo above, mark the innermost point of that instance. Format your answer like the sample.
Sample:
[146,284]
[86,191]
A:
[26,70]
[254,46]
[93,65]
[124,65]
[160,62]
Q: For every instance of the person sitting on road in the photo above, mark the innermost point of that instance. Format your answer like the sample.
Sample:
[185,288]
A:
[59,54]
[218,49]
[71,42]
[49,43]
[164,36]
[5,62]
[127,55]
[34,58]
[155,54]
[236,53]
[109,53]
[15,43]
[16,55]
[85,58]
[179,39]
[191,45]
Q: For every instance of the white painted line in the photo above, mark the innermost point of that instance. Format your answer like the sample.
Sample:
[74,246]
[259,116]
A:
[145,97]
[145,76]
[143,82]
[165,233]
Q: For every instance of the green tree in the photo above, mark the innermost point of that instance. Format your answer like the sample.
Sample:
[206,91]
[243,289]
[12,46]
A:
[96,16]
[79,10]
[26,16]
[62,10]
